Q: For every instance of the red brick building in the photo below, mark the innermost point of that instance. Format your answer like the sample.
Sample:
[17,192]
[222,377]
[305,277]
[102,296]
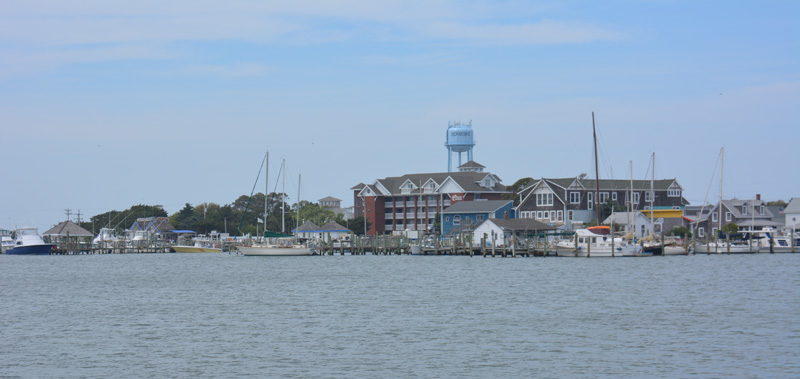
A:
[415,201]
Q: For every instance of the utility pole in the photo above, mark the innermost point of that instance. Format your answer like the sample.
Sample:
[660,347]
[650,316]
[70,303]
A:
[68,213]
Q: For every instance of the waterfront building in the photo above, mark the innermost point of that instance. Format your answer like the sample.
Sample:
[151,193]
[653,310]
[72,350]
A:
[566,201]
[752,214]
[67,231]
[466,215]
[331,231]
[147,227]
[414,202]
[634,223]
[503,230]
[306,231]
[335,205]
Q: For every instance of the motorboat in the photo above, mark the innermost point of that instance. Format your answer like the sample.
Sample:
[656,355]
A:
[597,242]
[198,247]
[105,238]
[722,247]
[6,241]
[279,247]
[28,242]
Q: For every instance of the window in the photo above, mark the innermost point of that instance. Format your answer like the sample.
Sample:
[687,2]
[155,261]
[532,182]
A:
[575,197]
[544,199]
[552,215]
[701,232]
[636,198]
[714,217]
[456,220]
[676,207]
[761,210]
[714,232]
[560,215]
[406,187]
[481,217]
[590,200]
[539,215]
[648,196]
[446,218]
[603,197]
[613,196]
[570,215]
[674,193]
[727,216]
[744,209]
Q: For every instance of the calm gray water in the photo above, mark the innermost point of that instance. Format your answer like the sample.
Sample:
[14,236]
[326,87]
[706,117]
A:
[187,315]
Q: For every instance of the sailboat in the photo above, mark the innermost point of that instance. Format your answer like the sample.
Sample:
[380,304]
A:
[284,246]
[719,246]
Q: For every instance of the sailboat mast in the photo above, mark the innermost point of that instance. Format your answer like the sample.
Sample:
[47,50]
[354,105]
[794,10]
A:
[630,202]
[721,172]
[297,222]
[283,197]
[652,190]
[266,191]
[596,175]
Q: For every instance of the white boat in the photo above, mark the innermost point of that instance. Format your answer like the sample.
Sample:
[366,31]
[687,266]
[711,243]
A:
[105,239]
[28,242]
[675,250]
[721,247]
[6,242]
[590,243]
[276,250]
[780,243]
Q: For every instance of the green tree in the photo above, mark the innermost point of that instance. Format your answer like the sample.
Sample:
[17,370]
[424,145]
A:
[779,203]
[186,218]
[518,186]
[356,224]
[729,229]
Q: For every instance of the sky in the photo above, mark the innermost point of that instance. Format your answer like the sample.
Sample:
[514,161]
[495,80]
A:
[107,104]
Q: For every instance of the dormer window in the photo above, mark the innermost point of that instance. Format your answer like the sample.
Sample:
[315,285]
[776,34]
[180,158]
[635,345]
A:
[407,187]
[744,209]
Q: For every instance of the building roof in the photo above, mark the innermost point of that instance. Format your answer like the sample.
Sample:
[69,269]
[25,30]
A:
[153,224]
[472,164]
[758,222]
[334,227]
[358,186]
[609,184]
[517,224]
[778,214]
[68,228]
[793,206]
[735,207]
[329,198]
[307,226]
[468,181]
[477,206]
[621,218]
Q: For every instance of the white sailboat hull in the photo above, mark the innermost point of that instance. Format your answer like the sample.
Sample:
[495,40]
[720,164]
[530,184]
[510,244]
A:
[275,251]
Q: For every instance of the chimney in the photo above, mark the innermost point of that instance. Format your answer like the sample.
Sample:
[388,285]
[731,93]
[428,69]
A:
[758,196]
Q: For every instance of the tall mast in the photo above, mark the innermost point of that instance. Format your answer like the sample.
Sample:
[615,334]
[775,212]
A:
[596,199]
[630,202]
[297,222]
[266,190]
[283,197]
[721,172]
[652,190]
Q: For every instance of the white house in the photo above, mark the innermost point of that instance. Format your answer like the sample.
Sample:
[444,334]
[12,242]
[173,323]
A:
[635,222]
[792,212]
[500,230]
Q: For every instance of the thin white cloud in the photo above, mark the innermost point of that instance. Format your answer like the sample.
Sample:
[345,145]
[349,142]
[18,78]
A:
[545,32]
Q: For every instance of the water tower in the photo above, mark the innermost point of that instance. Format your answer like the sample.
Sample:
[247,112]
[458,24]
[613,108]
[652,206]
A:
[459,140]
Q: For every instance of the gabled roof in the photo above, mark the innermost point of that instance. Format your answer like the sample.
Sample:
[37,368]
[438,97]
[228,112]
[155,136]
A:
[621,218]
[334,227]
[520,224]
[793,206]
[68,228]
[469,181]
[153,224]
[609,184]
[329,198]
[477,206]
[735,207]
[472,164]
[307,226]
[358,186]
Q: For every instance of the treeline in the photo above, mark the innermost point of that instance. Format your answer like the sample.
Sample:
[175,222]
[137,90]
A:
[245,215]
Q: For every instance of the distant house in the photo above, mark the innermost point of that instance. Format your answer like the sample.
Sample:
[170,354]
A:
[335,205]
[154,226]
[308,230]
[752,214]
[466,215]
[502,231]
[328,232]
[631,222]
[67,231]
[562,201]
[792,214]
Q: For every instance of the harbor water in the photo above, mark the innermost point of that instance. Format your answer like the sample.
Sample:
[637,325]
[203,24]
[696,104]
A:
[220,315]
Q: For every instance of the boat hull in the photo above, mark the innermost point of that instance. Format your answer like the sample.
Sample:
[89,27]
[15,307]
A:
[276,251]
[195,249]
[31,250]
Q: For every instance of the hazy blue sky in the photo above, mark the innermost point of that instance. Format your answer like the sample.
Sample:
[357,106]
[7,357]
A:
[106,104]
